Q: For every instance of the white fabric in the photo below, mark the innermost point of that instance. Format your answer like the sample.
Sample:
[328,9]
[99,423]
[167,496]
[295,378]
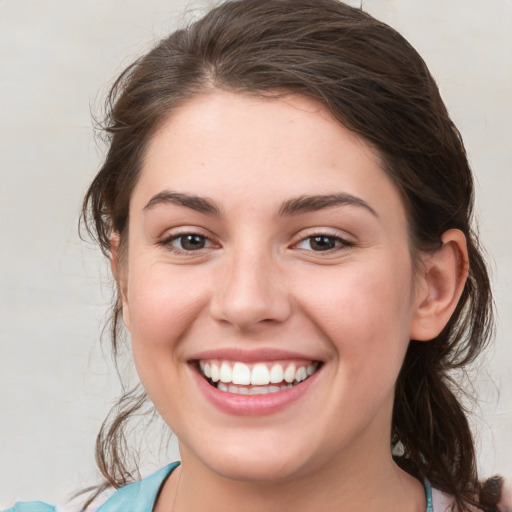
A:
[441,502]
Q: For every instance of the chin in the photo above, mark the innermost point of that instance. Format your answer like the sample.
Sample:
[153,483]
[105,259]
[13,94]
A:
[262,467]
[260,458]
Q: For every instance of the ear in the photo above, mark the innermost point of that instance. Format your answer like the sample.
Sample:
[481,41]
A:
[439,286]
[119,276]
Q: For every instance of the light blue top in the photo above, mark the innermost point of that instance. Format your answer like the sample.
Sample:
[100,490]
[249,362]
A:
[136,497]
[141,496]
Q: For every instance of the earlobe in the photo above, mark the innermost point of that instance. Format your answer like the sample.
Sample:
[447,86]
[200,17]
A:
[440,286]
[117,272]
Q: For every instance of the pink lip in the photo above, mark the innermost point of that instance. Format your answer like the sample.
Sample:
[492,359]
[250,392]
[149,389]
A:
[250,356]
[252,405]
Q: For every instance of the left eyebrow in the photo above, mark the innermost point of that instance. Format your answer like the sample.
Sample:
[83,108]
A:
[307,204]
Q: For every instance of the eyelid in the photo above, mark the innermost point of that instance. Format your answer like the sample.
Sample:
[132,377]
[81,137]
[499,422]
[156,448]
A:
[345,242]
[176,233]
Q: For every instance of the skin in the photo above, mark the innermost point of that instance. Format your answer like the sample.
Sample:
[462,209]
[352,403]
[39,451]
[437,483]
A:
[259,283]
[505,504]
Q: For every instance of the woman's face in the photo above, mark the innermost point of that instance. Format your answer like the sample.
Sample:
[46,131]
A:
[267,249]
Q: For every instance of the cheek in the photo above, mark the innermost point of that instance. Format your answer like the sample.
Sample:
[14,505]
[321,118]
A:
[365,312]
[162,305]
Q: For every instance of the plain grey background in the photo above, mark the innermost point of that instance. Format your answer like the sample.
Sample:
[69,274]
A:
[57,59]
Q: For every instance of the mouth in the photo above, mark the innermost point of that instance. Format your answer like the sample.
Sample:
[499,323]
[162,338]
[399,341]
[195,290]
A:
[260,378]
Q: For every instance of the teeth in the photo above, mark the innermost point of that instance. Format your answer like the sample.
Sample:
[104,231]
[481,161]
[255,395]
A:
[301,374]
[258,390]
[215,372]
[229,375]
[241,374]
[289,373]
[226,373]
[260,376]
[276,374]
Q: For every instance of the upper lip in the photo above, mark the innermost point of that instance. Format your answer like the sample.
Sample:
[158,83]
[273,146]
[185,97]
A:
[251,356]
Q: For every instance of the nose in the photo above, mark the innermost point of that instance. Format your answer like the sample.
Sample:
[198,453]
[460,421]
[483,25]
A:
[251,291]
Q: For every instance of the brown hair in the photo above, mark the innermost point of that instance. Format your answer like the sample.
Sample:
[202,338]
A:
[375,84]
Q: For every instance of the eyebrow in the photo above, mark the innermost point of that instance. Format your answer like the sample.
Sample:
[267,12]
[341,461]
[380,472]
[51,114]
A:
[306,204]
[295,206]
[199,204]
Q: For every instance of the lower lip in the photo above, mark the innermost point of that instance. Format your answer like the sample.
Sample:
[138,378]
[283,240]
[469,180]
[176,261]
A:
[253,405]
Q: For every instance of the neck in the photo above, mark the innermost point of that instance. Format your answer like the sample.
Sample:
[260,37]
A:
[370,482]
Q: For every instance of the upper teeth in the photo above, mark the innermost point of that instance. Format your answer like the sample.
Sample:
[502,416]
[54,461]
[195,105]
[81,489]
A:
[259,374]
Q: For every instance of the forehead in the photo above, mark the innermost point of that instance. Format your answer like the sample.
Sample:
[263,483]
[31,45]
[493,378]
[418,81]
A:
[242,150]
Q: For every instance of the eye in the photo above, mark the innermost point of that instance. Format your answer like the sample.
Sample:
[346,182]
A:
[323,243]
[187,242]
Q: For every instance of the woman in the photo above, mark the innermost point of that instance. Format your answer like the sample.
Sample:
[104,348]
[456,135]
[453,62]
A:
[287,210]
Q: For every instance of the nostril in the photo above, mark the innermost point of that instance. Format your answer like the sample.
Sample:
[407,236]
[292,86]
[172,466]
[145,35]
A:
[249,309]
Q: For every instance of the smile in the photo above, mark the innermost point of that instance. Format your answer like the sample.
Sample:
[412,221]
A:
[255,379]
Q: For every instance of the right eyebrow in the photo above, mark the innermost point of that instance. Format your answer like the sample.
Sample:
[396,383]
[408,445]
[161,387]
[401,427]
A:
[197,203]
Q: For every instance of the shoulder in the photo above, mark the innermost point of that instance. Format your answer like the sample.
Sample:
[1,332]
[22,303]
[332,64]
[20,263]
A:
[33,506]
[138,496]
[441,502]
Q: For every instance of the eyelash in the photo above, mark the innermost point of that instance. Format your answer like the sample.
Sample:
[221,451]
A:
[168,242]
[338,242]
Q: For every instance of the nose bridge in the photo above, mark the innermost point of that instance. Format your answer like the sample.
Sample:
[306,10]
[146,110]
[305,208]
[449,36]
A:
[250,289]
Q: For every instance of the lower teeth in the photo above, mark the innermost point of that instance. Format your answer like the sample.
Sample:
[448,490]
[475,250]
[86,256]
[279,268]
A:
[251,390]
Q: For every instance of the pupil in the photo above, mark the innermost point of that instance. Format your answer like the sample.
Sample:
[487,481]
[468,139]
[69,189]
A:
[322,243]
[191,242]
